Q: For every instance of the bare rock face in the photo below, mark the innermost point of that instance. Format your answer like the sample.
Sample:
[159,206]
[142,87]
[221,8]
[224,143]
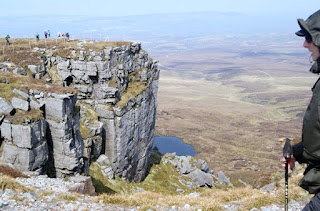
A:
[25,146]
[119,83]
[5,106]
[64,138]
[127,129]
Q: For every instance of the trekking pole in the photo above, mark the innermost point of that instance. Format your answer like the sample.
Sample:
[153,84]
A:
[287,153]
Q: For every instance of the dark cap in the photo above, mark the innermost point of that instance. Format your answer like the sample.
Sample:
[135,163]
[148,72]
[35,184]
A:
[304,28]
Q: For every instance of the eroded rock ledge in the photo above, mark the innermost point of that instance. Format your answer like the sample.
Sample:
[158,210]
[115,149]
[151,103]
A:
[79,106]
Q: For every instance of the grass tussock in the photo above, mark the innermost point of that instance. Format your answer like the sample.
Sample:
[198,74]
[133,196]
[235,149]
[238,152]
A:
[11,172]
[69,197]
[88,117]
[133,90]
[161,184]
[7,182]
[23,117]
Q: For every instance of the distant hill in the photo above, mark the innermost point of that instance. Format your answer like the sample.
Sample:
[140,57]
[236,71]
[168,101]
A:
[146,26]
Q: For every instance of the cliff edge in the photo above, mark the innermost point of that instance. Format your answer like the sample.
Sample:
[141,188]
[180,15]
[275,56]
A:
[65,103]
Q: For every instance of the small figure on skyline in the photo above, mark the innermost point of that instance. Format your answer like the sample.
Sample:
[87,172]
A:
[45,34]
[49,33]
[37,36]
[7,39]
[59,34]
[67,35]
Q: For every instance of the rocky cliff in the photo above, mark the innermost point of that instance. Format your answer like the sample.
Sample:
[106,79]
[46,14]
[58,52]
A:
[87,99]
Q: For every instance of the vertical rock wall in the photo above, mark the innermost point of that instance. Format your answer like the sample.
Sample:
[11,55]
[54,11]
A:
[25,146]
[64,138]
[120,84]
[107,80]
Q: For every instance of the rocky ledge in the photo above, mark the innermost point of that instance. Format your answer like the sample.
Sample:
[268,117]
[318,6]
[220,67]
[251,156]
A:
[63,105]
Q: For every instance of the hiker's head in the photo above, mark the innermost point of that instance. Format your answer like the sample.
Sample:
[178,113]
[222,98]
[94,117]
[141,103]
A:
[310,29]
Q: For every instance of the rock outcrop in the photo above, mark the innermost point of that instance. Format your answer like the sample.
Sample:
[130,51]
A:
[112,113]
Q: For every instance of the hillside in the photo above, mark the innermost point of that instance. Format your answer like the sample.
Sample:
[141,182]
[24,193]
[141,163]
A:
[133,75]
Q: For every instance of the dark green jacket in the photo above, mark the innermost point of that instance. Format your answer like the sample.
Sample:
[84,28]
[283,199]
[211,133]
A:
[308,150]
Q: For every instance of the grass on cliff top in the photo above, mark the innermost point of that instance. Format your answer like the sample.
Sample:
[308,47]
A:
[21,53]
[135,87]
[22,117]
[25,83]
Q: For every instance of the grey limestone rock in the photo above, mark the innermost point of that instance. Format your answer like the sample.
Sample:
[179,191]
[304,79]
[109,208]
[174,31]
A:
[269,188]
[203,165]
[20,71]
[67,145]
[183,164]
[127,131]
[201,178]
[5,106]
[34,68]
[6,130]
[223,179]
[27,147]
[20,104]
[104,112]
[28,136]
[82,185]
[21,93]
[60,106]
[105,166]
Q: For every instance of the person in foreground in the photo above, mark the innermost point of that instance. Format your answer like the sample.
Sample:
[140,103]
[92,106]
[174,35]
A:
[308,150]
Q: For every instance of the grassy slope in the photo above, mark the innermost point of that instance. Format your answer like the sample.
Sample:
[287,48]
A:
[233,111]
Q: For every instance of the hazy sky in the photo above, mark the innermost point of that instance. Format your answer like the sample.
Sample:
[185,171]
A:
[292,8]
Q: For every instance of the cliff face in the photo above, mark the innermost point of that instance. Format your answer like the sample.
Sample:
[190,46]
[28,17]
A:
[112,113]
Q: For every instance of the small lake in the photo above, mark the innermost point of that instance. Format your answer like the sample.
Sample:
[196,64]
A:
[170,144]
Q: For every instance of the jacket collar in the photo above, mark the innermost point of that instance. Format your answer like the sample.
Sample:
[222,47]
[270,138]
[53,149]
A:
[315,68]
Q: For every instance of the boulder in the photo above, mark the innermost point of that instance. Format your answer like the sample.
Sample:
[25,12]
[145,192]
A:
[82,185]
[6,130]
[34,68]
[223,179]
[183,164]
[20,71]
[28,136]
[20,104]
[201,178]
[105,166]
[104,112]
[203,165]
[24,95]
[60,106]
[5,106]
[25,159]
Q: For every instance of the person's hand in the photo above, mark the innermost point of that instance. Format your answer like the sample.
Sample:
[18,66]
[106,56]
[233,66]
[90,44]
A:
[290,162]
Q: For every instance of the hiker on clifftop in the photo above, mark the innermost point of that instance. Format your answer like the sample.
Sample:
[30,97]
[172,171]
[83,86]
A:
[45,34]
[67,35]
[7,39]
[49,33]
[37,36]
[308,150]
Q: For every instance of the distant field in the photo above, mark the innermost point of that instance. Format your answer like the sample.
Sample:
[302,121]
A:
[234,108]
